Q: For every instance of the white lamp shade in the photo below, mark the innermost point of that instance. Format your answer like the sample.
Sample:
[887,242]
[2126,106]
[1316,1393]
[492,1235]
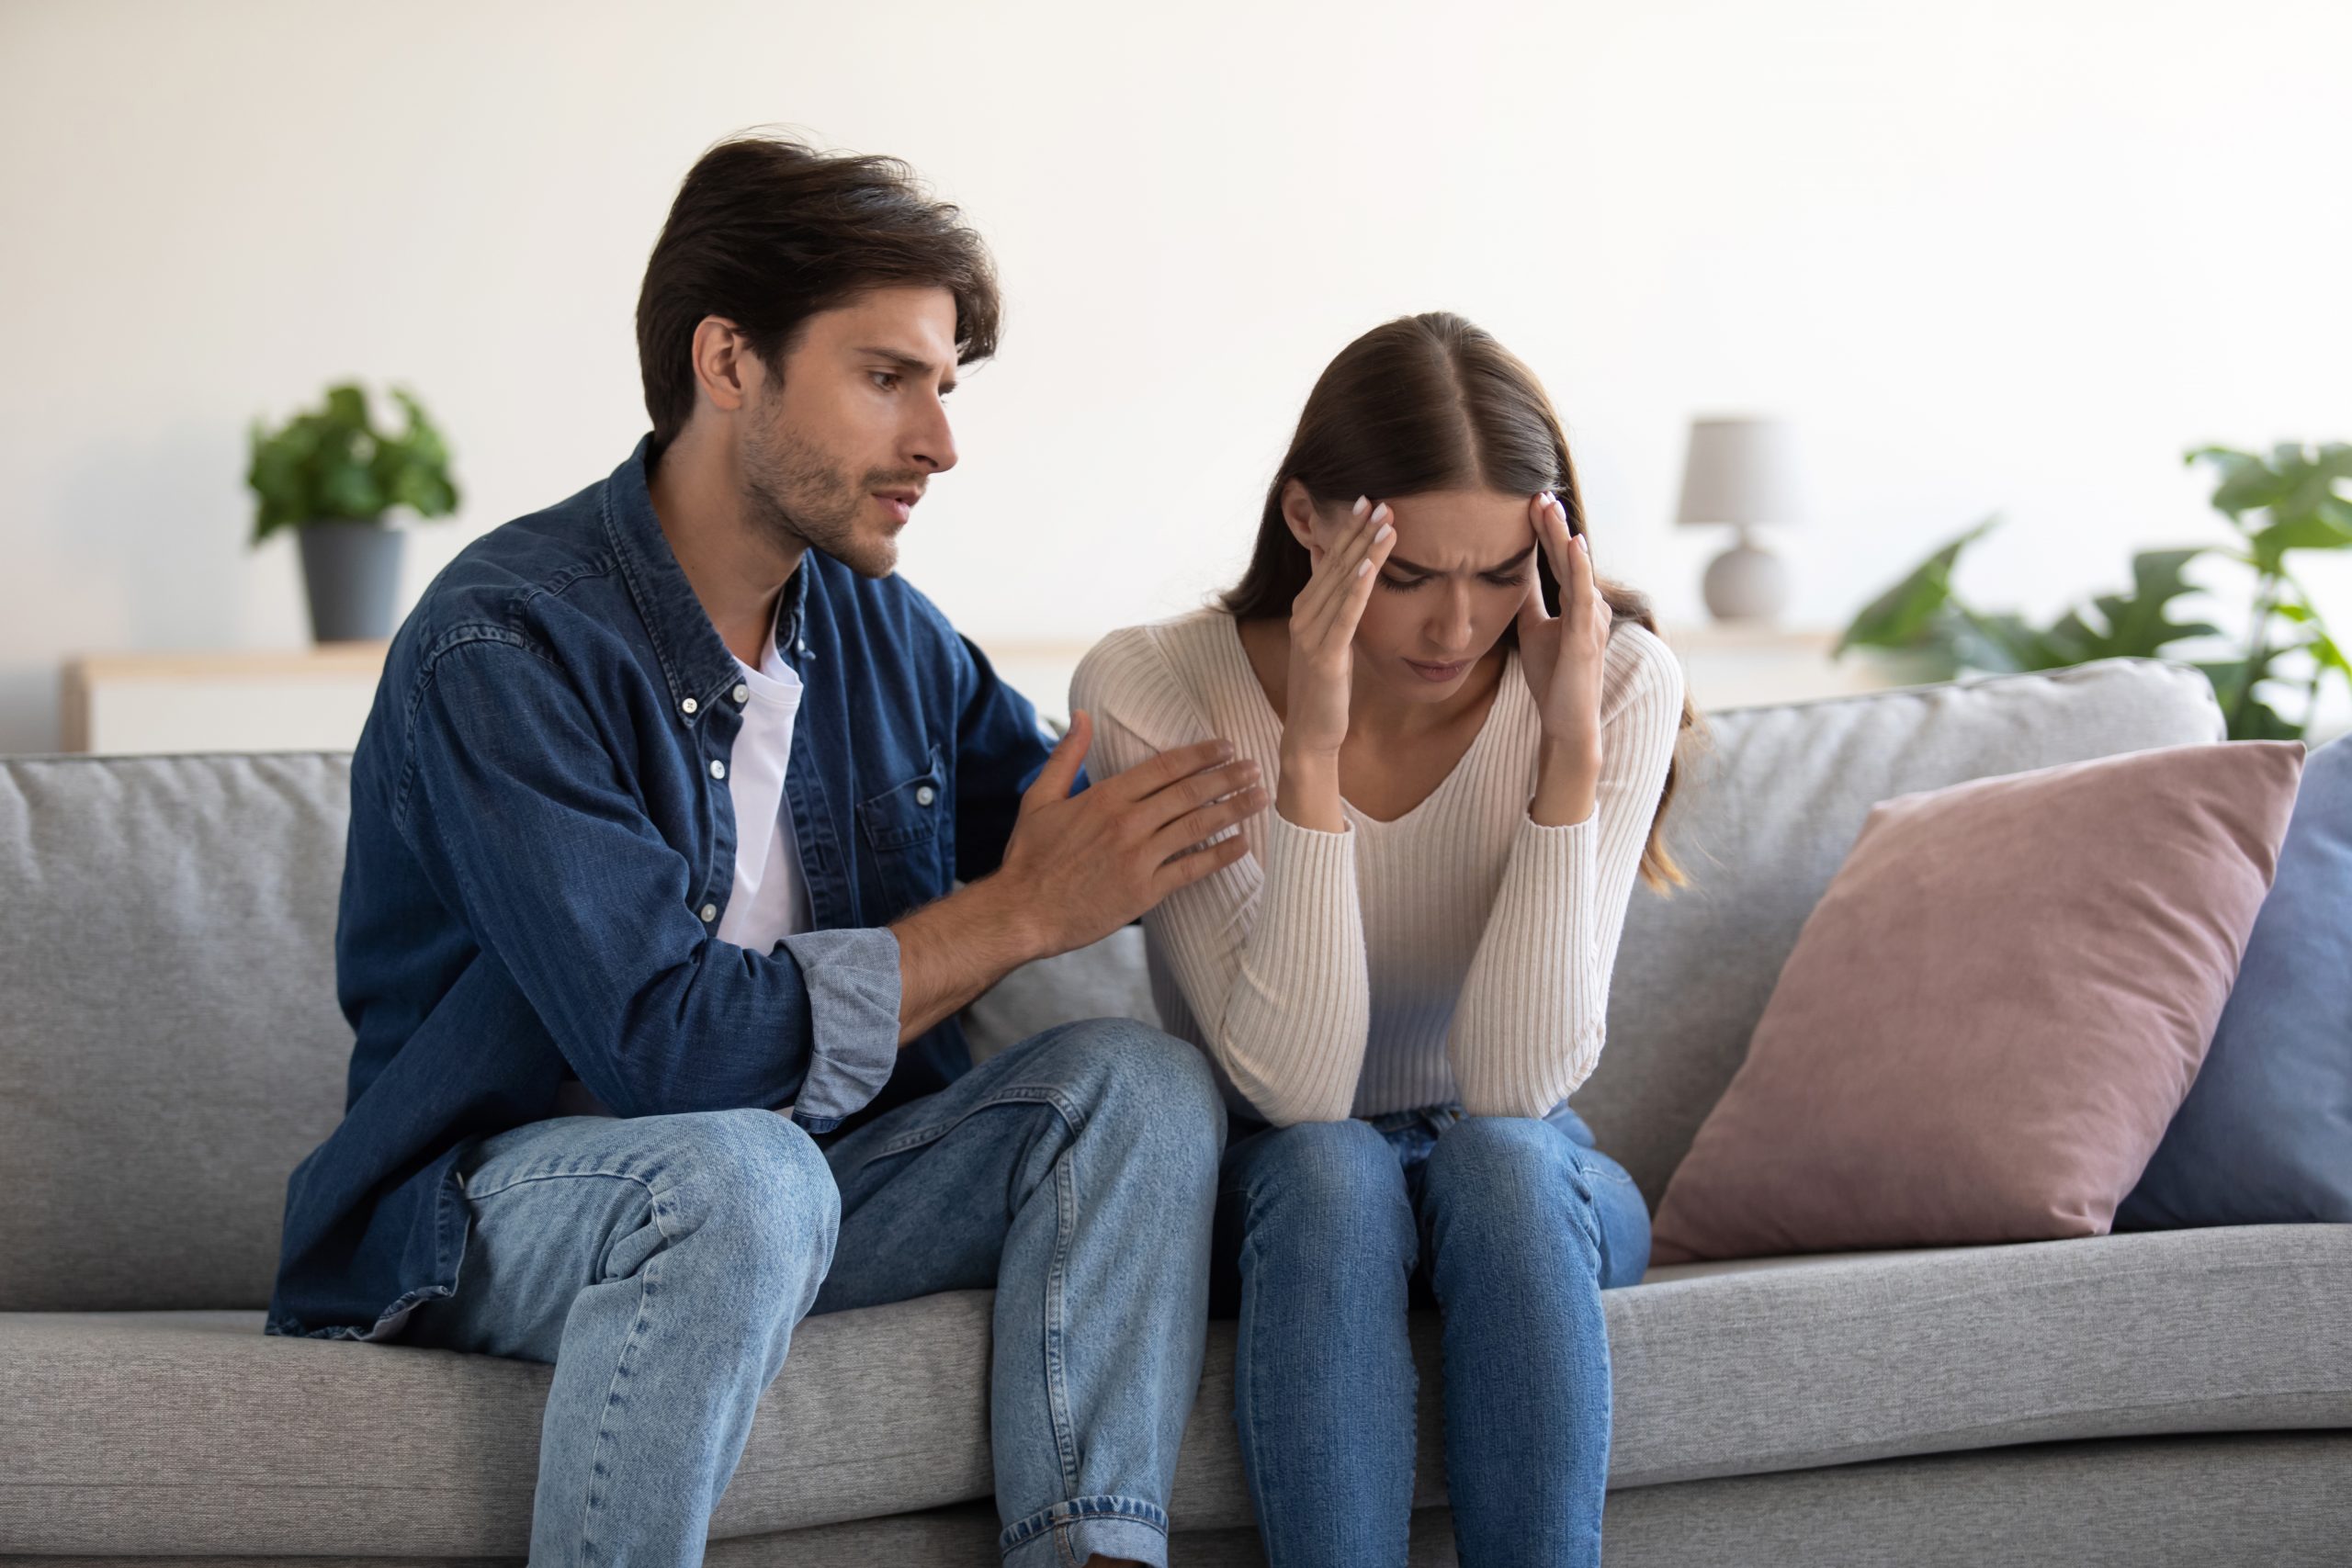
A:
[1742,471]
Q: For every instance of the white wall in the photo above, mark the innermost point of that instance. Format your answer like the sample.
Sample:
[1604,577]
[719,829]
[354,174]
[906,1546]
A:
[1988,256]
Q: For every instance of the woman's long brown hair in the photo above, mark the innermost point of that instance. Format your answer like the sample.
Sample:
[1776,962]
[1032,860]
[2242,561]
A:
[1432,402]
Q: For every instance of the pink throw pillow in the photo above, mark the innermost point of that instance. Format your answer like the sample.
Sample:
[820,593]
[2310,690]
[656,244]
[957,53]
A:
[1994,1011]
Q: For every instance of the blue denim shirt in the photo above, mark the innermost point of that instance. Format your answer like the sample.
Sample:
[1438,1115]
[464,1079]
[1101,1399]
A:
[541,845]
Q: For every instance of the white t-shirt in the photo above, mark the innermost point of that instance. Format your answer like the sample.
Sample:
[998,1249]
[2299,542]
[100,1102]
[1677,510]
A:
[770,901]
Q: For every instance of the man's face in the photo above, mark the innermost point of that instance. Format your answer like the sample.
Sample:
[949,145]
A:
[840,442]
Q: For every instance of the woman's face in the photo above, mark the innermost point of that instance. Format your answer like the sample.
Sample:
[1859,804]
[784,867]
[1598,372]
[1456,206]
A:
[1455,578]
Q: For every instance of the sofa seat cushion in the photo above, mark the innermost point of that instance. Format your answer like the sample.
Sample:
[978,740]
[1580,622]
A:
[191,1433]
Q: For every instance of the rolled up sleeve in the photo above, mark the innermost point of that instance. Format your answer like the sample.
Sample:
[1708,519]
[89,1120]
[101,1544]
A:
[852,982]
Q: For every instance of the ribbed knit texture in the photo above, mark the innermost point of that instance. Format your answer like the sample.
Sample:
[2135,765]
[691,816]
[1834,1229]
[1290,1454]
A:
[1458,951]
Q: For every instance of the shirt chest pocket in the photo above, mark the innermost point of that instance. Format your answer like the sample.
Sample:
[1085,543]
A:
[907,836]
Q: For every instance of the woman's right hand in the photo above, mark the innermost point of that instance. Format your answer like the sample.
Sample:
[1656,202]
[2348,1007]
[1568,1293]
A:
[1322,632]
[1322,668]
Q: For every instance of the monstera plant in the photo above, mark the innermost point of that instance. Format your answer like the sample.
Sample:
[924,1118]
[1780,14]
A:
[2279,506]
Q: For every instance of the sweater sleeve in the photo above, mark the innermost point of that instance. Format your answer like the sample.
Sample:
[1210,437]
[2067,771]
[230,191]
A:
[1269,954]
[1533,1009]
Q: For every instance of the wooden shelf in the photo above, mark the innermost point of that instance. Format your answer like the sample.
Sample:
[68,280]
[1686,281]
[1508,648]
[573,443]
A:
[295,699]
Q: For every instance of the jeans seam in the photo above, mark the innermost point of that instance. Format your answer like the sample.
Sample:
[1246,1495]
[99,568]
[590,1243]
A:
[475,1195]
[1058,1520]
[1018,1094]
[1253,1452]
[1057,1304]
[648,1278]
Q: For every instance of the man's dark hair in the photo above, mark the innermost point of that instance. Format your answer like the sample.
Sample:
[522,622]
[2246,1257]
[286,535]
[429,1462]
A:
[767,233]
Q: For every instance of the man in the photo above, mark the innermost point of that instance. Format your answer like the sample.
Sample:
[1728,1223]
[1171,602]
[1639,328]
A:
[653,831]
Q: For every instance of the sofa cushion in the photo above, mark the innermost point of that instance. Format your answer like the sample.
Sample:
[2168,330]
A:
[1762,821]
[192,1433]
[2266,1134]
[1994,1010]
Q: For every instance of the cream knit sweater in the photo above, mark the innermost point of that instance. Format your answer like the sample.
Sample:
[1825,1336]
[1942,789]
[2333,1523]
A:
[1458,951]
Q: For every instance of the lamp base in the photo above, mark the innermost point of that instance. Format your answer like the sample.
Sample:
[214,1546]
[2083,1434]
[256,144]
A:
[1746,583]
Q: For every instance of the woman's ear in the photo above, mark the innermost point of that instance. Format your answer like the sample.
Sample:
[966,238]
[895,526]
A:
[1298,510]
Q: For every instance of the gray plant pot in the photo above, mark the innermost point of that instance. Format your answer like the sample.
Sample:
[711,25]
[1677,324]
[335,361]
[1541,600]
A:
[353,572]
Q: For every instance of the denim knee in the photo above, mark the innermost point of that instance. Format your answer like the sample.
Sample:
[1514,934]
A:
[755,1182]
[1326,1187]
[1505,1178]
[1142,1082]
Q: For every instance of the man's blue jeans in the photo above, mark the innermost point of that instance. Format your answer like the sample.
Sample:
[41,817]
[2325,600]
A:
[1327,1232]
[660,1262]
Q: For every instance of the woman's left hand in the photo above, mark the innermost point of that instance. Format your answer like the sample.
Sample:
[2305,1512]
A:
[1563,655]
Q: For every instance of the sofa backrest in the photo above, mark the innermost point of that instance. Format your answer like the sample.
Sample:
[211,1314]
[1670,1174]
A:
[170,1046]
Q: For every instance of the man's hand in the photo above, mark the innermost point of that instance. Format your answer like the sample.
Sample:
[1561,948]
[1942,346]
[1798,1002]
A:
[1083,866]
[1077,868]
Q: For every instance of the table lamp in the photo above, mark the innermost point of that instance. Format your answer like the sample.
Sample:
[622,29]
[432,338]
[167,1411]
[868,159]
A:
[1743,472]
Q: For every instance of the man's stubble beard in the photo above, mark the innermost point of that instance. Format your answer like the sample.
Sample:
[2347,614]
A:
[798,497]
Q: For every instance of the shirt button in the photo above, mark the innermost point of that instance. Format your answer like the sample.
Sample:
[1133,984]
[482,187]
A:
[688,706]
[743,692]
[717,769]
[709,913]
[925,796]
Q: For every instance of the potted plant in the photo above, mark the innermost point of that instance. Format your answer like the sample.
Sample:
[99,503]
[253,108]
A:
[332,476]
[2286,503]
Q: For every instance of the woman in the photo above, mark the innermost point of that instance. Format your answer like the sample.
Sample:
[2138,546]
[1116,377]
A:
[1472,740]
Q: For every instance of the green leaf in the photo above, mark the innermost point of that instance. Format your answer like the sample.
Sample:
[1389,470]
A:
[331,462]
[2246,481]
[2139,624]
[347,406]
[2310,530]
[1906,615]
[2257,720]
[2325,650]
[2250,716]
[2296,489]
[2002,643]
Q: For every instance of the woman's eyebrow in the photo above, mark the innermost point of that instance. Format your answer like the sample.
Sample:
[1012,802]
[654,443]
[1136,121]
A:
[1415,566]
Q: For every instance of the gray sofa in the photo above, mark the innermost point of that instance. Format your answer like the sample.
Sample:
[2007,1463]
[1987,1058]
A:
[169,1048]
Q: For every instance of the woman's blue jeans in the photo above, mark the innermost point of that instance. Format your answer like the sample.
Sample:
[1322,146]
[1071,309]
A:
[1327,1233]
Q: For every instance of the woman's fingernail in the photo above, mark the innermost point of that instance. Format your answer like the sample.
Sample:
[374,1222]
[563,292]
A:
[1362,566]
[1380,513]
[1385,531]
[1585,547]
[1362,505]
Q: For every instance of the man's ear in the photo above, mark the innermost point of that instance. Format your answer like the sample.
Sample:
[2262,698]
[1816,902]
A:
[1298,510]
[725,365]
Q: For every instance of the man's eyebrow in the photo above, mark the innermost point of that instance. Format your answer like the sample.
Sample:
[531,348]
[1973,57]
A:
[914,362]
[1404,565]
